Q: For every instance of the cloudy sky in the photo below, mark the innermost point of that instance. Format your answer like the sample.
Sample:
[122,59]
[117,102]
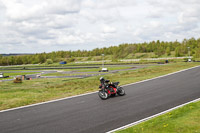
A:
[34,26]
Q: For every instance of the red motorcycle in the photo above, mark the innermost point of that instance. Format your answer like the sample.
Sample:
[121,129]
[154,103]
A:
[108,89]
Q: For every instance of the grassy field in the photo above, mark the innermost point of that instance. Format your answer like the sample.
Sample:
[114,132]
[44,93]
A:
[70,74]
[13,74]
[19,73]
[117,62]
[25,72]
[183,120]
[39,90]
[110,68]
[6,78]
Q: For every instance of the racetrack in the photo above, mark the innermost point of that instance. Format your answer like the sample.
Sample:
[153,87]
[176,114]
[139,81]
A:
[90,114]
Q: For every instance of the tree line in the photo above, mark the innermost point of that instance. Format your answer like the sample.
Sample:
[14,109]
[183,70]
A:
[117,52]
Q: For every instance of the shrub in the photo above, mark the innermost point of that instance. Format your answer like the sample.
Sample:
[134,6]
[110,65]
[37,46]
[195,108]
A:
[49,61]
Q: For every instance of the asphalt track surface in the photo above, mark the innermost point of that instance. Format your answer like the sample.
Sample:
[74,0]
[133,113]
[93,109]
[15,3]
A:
[90,114]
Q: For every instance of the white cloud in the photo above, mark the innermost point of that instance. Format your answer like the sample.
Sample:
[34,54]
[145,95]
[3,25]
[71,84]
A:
[49,25]
[109,29]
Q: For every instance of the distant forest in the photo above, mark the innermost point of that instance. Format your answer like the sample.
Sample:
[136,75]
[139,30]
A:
[159,48]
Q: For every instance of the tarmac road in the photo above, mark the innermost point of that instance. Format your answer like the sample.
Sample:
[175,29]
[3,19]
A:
[90,114]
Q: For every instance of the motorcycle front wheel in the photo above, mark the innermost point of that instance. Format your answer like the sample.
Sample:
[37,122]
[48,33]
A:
[121,91]
[103,95]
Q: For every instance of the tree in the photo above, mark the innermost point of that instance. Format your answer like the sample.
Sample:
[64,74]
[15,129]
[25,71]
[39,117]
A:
[160,51]
[197,53]
[19,60]
[177,52]
[42,58]
[168,51]
[12,60]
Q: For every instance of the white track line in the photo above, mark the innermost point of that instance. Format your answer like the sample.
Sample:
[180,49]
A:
[148,118]
[92,92]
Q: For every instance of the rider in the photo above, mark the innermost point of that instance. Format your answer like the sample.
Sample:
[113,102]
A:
[103,82]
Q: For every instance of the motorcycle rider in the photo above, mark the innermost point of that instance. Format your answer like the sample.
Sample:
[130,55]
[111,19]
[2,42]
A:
[102,80]
[105,82]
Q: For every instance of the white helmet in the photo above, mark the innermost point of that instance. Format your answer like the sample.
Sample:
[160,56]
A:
[101,79]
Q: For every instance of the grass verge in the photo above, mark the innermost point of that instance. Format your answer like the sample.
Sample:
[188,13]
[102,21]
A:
[40,90]
[19,73]
[6,78]
[183,120]
[110,68]
[71,74]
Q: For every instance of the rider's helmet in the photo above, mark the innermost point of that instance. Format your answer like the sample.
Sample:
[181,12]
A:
[102,79]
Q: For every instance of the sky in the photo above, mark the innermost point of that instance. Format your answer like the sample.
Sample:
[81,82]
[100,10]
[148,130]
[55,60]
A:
[35,26]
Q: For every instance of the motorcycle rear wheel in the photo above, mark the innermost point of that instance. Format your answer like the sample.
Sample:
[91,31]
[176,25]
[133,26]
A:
[103,94]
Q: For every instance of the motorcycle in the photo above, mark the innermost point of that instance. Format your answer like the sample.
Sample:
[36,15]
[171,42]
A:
[110,89]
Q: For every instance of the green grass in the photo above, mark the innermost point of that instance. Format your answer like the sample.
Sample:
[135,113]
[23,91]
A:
[183,120]
[39,90]
[13,70]
[24,72]
[72,64]
[110,68]
[19,73]
[70,74]
[6,78]
[14,73]
[147,55]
